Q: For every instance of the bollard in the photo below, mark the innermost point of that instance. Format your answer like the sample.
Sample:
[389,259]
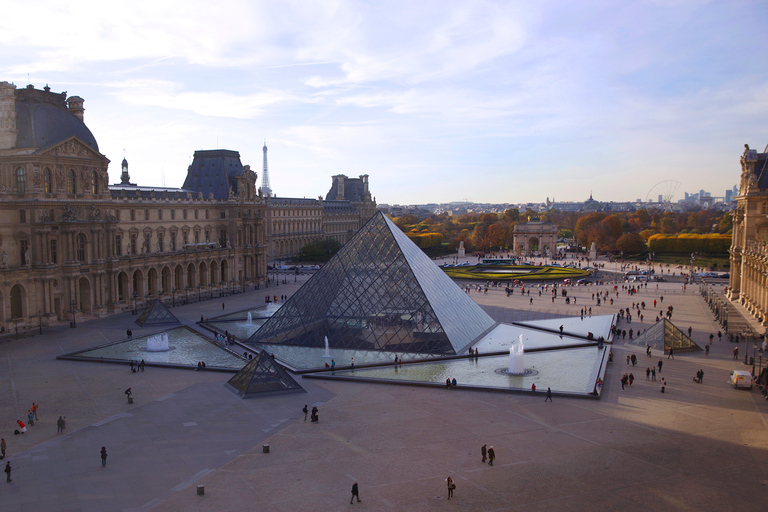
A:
[265,448]
[200,490]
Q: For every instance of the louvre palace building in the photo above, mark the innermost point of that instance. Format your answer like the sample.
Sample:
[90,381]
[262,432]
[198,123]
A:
[749,247]
[74,247]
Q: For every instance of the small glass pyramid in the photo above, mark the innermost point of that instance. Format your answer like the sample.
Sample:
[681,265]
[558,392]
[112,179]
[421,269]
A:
[663,335]
[157,314]
[262,376]
[380,292]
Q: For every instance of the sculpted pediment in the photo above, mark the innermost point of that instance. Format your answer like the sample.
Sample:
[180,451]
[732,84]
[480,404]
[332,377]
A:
[73,147]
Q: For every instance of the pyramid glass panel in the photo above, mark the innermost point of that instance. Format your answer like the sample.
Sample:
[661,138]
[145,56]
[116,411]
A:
[380,292]
[157,314]
[262,376]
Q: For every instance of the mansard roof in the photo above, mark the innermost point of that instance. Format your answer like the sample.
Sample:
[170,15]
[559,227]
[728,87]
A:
[214,172]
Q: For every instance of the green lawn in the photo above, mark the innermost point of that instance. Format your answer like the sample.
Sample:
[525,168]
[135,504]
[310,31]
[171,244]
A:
[514,272]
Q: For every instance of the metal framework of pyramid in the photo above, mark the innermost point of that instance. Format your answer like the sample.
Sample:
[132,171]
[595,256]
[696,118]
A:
[157,314]
[663,335]
[261,377]
[380,292]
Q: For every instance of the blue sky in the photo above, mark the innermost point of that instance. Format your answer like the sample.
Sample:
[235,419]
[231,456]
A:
[436,101]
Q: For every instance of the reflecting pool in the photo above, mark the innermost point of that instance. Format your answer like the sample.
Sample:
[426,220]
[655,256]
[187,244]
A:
[572,370]
[186,347]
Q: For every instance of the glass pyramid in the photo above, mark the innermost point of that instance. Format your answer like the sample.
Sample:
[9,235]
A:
[157,314]
[663,335]
[262,376]
[380,292]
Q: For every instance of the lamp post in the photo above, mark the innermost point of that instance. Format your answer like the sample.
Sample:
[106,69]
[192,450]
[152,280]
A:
[746,346]
[754,355]
[40,321]
[74,318]
[199,287]
[173,297]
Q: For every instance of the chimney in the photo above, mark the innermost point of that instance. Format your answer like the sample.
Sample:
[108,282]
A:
[75,104]
[7,115]
[339,179]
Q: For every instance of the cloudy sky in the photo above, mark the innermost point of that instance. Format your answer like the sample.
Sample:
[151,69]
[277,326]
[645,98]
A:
[487,101]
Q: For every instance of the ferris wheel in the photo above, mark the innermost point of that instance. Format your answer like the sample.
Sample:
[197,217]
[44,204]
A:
[663,192]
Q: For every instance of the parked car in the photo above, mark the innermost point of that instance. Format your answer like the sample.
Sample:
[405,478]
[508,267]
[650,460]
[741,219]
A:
[741,379]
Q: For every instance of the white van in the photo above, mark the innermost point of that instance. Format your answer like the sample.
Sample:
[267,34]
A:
[741,379]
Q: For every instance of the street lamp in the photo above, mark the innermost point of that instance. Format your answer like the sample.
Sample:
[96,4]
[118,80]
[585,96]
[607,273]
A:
[746,346]
[754,355]
[74,318]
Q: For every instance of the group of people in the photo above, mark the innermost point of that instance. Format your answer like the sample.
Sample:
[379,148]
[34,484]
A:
[200,366]
[136,366]
[450,383]
[488,454]
[314,417]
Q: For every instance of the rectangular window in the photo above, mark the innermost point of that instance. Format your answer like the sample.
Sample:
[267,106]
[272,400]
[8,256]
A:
[147,241]
[206,214]
[118,245]
[184,238]
[195,214]
[223,214]
[52,245]
[133,214]
[146,214]
[173,214]
[133,243]
[22,216]
[197,235]
[173,241]
[159,214]
[185,214]
[160,245]
[24,248]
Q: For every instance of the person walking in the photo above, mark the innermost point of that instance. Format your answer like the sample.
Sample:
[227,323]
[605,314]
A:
[648,373]
[671,353]
[355,494]
[7,470]
[483,452]
[491,456]
[660,365]
[103,456]
[31,418]
[22,427]
[549,395]
[305,411]
[3,447]
[653,374]
[735,353]
[451,487]
[34,409]
[663,384]
[60,425]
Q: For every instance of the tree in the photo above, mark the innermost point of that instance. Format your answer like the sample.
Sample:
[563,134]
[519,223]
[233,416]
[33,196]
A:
[630,243]
[319,251]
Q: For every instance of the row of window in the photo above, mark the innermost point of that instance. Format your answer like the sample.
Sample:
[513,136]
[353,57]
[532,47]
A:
[72,185]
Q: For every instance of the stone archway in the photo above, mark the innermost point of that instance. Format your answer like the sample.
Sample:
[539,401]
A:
[533,245]
[84,292]
[122,287]
[18,298]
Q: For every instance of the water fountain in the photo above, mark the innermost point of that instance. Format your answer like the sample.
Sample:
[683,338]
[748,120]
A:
[158,343]
[327,354]
[250,318]
[516,363]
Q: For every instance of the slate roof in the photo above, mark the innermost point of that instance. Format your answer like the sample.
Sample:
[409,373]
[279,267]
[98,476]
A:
[354,190]
[214,171]
[43,120]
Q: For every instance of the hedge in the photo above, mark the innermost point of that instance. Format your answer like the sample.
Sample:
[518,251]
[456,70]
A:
[689,243]
[426,240]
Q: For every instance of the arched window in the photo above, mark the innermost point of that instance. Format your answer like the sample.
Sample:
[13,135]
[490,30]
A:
[72,182]
[21,181]
[81,247]
[48,181]
[94,183]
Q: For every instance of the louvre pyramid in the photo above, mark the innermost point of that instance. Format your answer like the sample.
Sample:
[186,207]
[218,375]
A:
[663,335]
[262,376]
[157,314]
[380,292]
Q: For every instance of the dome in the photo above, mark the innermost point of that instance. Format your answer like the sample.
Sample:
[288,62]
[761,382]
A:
[43,119]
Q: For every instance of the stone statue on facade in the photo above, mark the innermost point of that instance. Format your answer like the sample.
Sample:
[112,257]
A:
[4,260]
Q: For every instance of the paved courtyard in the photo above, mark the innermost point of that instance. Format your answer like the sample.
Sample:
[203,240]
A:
[696,447]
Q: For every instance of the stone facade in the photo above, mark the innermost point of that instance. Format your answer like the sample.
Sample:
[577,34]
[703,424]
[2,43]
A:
[293,223]
[749,248]
[73,246]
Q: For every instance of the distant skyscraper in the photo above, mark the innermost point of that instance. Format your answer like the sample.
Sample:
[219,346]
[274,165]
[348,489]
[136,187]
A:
[661,199]
[265,189]
[728,196]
